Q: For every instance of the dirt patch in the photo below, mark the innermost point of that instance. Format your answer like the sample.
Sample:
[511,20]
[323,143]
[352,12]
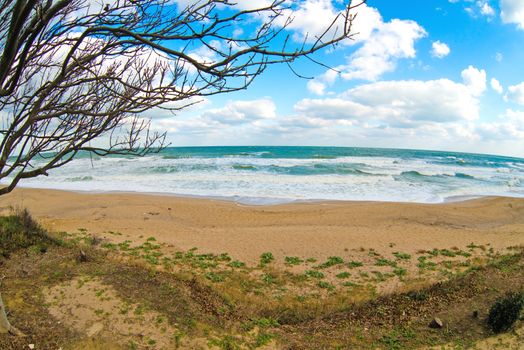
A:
[94,309]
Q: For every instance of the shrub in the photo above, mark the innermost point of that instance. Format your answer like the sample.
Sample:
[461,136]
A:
[266,258]
[19,231]
[505,312]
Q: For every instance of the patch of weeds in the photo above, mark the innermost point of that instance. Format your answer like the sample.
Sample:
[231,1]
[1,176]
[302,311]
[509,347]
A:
[228,342]
[177,338]
[385,262]
[311,260]
[402,256]
[325,285]
[214,277]
[314,274]
[109,246]
[400,271]
[268,278]
[236,264]
[363,274]
[224,257]
[265,322]
[448,264]
[350,284]
[424,264]
[266,258]
[262,339]
[343,275]
[139,310]
[293,260]
[381,277]
[395,339]
[331,261]
[354,264]
[448,253]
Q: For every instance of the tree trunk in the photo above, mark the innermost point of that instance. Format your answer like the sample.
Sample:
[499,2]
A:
[5,326]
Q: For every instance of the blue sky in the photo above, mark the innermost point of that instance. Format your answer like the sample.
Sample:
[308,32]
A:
[430,74]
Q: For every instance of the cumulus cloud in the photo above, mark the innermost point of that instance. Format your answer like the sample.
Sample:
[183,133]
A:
[389,42]
[435,105]
[475,80]
[239,112]
[439,49]
[516,93]
[512,11]
[495,85]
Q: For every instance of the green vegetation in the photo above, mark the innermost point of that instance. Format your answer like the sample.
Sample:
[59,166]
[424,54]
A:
[19,231]
[293,260]
[232,305]
[505,312]
[266,258]
[331,261]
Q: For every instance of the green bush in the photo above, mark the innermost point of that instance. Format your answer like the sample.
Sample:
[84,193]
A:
[20,231]
[505,312]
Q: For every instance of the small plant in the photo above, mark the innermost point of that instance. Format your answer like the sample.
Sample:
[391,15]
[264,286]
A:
[385,262]
[325,285]
[343,275]
[293,260]
[354,264]
[505,312]
[402,256]
[266,258]
[400,271]
[236,264]
[332,261]
[214,277]
[314,274]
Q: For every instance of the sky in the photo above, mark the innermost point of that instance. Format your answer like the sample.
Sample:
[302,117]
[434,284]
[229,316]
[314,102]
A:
[432,74]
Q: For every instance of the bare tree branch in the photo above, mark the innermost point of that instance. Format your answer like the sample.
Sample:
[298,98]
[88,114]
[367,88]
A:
[74,73]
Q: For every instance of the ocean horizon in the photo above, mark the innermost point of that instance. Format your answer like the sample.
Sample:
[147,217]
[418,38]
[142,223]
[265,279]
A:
[280,174]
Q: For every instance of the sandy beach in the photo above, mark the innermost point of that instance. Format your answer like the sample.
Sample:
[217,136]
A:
[314,230]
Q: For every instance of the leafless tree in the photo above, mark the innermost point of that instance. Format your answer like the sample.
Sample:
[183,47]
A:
[75,75]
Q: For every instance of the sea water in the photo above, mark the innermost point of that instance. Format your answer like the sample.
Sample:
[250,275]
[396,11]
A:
[266,175]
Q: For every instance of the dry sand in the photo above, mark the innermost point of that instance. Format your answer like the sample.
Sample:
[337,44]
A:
[307,229]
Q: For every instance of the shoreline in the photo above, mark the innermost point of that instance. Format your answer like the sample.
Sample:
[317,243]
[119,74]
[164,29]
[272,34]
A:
[271,201]
[306,229]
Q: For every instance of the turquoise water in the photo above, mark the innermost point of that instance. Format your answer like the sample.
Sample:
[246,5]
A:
[282,174]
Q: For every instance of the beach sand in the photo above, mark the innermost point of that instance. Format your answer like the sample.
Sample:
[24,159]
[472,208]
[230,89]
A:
[316,230]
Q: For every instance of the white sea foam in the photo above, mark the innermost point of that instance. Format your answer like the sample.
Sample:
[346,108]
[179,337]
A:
[253,177]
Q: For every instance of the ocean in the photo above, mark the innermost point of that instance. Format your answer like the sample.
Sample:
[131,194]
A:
[269,175]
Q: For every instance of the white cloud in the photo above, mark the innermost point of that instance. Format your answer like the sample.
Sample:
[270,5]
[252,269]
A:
[475,80]
[486,9]
[516,93]
[387,43]
[397,103]
[440,49]
[512,11]
[495,85]
[509,128]
[499,57]
[239,112]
